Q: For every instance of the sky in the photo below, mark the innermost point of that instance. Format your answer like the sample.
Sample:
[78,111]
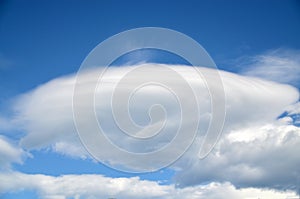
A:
[256,48]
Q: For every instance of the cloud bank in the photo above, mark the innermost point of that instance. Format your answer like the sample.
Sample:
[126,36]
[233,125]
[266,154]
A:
[98,186]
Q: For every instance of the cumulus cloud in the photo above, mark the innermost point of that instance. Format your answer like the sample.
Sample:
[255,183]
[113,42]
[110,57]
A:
[281,65]
[98,186]
[252,105]
[259,156]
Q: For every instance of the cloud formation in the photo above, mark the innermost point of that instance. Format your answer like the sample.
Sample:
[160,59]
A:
[281,65]
[97,186]
[257,156]
[9,154]
[252,105]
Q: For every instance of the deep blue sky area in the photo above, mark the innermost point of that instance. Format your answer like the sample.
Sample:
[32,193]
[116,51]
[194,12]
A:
[40,40]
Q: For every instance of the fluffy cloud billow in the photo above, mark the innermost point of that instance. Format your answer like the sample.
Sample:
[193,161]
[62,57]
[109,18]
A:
[258,156]
[98,186]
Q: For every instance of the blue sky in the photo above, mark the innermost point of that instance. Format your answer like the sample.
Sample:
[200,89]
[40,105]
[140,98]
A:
[43,40]
[52,38]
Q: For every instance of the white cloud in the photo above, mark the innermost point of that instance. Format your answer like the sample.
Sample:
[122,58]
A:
[9,153]
[257,156]
[281,65]
[294,109]
[46,112]
[97,186]
[251,105]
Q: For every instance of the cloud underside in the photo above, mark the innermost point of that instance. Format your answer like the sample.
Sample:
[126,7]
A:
[98,186]
[255,150]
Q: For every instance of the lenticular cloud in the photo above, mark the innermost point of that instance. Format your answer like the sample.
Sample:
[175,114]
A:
[152,114]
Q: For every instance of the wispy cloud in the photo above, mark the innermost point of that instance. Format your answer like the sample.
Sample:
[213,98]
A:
[280,65]
[9,153]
